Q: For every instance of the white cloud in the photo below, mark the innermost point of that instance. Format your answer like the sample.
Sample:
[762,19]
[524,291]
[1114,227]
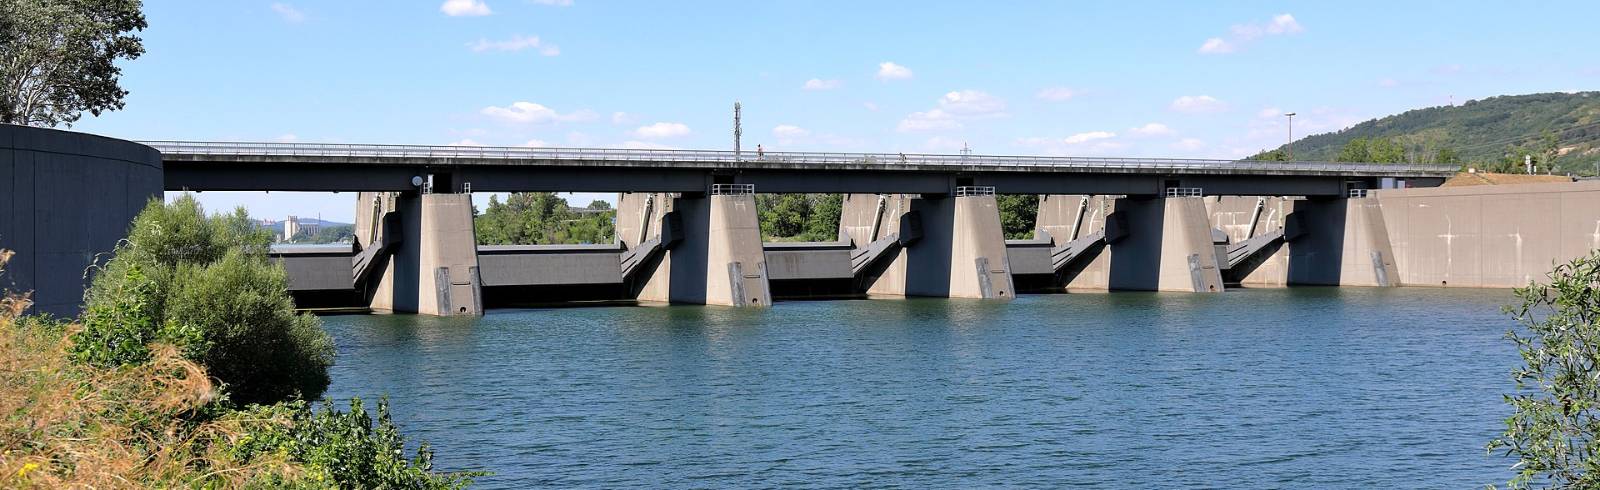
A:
[578,138]
[1092,142]
[465,142]
[932,120]
[820,84]
[287,138]
[1198,104]
[1056,94]
[870,106]
[644,145]
[554,3]
[787,131]
[661,130]
[531,113]
[536,143]
[1269,112]
[458,8]
[939,144]
[289,13]
[1388,83]
[515,43]
[1152,129]
[1189,144]
[1216,45]
[888,70]
[620,118]
[972,103]
[1081,138]
[1242,34]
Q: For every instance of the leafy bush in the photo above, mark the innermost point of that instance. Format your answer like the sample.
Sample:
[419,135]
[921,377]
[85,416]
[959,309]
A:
[343,447]
[205,285]
[162,423]
[1555,431]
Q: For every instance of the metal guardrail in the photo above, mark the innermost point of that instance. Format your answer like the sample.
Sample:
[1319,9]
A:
[732,189]
[732,159]
[1358,193]
[974,190]
[1185,192]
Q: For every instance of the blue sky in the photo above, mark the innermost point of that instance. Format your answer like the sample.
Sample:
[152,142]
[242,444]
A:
[1178,79]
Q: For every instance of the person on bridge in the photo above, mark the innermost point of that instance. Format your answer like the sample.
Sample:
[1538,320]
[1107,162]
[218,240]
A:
[761,153]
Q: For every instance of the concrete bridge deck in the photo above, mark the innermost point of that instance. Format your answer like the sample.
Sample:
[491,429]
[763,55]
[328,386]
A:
[338,167]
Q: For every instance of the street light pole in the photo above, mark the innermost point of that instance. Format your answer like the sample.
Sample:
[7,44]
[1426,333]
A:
[1290,115]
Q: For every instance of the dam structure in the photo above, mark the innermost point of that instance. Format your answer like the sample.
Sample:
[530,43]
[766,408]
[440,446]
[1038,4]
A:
[687,228]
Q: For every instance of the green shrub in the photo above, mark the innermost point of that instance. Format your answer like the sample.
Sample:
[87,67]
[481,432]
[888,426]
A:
[345,449]
[1555,430]
[205,285]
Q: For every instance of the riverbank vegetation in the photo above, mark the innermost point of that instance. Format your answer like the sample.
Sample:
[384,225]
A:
[188,368]
[543,218]
[1554,432]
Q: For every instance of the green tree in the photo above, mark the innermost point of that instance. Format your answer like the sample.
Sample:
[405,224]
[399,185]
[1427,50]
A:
[205,285]
[532,218]
[59,57]
[826,210]
[1555,430]
[1017,214]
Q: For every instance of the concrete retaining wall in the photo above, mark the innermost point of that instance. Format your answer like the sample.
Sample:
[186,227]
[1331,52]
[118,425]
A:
[66,197]
[1489,236]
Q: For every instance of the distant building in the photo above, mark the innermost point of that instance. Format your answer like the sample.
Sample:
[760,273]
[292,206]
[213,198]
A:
[293,227]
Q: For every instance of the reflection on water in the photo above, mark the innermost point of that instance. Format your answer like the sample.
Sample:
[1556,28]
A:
[1304,387]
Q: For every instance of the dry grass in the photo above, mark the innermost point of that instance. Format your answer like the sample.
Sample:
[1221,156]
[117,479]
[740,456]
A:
[65,425]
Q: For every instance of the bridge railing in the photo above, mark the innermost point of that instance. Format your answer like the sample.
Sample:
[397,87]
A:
[734,159]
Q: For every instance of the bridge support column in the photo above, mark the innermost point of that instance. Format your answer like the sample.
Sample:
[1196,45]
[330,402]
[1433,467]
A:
[712,255]
[433,268]
[1340,242]
[1150,244]
[949,246]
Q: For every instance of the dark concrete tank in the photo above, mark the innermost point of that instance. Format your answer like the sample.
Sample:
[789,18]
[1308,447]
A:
[66,197]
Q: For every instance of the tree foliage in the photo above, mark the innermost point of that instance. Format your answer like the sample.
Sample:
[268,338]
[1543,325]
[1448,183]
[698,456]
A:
[58,57]
[1375,150]
[535,218]
[1561,131]
[800,217]
[1017,214]
[1555,430]
[205,285]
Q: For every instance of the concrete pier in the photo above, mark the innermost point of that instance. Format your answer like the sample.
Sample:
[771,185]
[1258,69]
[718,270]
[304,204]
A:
[959,252]
[1151,244]
[718,260]
[1340,242]
[433,269]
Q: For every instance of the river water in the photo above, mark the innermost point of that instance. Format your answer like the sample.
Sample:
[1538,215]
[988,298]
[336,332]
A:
[1266,388]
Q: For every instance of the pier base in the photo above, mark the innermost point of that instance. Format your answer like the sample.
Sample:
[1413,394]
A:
[717,258]
[959,250]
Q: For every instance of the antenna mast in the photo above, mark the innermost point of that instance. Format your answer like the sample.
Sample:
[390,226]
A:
[737,131]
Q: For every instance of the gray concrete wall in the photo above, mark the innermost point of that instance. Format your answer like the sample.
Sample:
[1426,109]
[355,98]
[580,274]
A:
[1343,242]
[66,197]
[1489,236]
[1233,216]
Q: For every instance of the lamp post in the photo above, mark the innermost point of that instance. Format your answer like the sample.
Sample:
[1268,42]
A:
[1290,115]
